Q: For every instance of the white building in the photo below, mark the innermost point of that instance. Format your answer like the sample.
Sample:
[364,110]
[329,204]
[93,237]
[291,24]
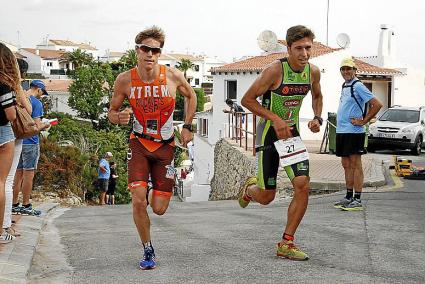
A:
[233,80]
[68,46]
[111,56]
[59,94]
[201,72]
[408,90]
[46,62]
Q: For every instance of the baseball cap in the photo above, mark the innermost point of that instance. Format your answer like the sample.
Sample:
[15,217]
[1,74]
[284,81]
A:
[39,84]
[108,154]
[348,62]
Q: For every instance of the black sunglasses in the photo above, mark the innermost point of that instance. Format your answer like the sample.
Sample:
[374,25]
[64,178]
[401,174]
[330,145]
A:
[146,48]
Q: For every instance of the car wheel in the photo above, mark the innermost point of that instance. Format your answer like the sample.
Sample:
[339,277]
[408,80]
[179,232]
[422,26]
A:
[418,146]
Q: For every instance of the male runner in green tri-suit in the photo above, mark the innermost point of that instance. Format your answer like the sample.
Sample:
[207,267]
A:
[283,85]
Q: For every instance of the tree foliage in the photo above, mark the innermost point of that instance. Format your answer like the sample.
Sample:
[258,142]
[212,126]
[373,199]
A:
[129,59]
[79,58]
[184,65]
[91,91]
[200,101]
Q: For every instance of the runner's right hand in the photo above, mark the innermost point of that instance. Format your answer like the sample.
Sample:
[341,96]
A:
[124,116]
[283,131]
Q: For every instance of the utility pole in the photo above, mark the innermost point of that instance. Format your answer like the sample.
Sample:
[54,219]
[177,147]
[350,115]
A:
[327,24]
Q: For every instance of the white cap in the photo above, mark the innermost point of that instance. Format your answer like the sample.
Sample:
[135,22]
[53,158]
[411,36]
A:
[108,154]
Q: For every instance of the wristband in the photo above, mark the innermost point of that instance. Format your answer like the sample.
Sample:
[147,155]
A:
[319,119]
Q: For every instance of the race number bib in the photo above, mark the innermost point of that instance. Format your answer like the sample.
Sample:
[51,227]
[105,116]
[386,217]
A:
[291,151]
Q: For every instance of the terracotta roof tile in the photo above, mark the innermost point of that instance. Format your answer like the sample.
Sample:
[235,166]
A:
[258,63]
[47,53]
[62,42]
[178,56]
[86,46]
[366,68]
[57,85]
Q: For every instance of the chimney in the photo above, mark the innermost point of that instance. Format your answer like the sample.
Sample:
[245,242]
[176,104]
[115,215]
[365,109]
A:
[386,47]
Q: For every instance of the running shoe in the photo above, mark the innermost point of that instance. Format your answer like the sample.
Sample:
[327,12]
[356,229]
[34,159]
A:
[12,231]
[148,260]
[29,211]
[243,198]
[6,238]
[343,202]
[354,205]
[290,251]
[16,210]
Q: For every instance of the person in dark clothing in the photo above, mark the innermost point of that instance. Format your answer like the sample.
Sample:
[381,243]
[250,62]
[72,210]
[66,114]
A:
[110,194]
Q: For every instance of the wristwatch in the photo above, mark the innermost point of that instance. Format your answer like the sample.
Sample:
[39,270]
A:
[188,126]
[319,119]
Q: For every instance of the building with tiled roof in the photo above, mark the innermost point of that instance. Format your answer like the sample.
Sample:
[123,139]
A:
[59,95]
[200,73]
[68,46]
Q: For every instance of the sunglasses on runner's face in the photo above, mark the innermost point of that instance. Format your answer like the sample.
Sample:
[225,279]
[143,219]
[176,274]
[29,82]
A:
[147,48]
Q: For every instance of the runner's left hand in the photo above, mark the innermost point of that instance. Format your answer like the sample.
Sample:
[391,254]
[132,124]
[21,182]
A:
[186,136]
[314,126]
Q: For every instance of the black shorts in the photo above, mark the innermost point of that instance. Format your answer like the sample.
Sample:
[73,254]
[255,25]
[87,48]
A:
[269,162]
[350,144]
[102,184]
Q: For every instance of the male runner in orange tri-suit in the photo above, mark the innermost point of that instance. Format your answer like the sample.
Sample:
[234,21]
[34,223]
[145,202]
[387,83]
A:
[150,89]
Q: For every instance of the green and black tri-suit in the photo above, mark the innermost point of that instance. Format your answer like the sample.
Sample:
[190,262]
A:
[285,101]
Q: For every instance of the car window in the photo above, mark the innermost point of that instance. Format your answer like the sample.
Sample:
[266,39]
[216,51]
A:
[400,115]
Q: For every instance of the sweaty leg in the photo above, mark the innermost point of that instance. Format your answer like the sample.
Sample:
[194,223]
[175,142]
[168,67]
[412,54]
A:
[159,203]
[298,205]
[260,195]
[348,171]
[140,214]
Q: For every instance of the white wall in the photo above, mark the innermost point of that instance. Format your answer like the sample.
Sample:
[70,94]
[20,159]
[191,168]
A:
[203,160]
[34,61]
[409,90]
[60,102]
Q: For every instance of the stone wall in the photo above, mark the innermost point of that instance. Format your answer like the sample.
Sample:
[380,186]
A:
[232,166]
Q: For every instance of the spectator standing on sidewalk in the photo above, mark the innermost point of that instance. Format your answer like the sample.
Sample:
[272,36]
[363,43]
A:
[30,154]
[110,194]
[23,100]
[350,132]
[104,173]
[9,86]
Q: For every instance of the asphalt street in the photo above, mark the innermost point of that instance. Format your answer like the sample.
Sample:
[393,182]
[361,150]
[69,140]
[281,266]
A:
[218,242]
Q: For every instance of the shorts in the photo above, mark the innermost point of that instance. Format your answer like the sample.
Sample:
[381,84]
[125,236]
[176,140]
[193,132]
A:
[350,144]
[269,161]
[29,157]
[111,188]
[6,134]
[158,164]
[102,184]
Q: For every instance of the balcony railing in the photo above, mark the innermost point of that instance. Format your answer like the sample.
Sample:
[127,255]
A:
[242,127]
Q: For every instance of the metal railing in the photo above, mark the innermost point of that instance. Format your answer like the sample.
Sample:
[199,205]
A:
[242,127]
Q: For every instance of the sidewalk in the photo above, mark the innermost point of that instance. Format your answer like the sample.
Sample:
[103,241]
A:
[16,256]
[326,171]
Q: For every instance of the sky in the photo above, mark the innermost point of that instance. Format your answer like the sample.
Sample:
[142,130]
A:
[223,28]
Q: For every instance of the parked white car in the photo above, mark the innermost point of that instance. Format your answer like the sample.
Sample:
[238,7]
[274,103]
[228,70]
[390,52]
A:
[398,128]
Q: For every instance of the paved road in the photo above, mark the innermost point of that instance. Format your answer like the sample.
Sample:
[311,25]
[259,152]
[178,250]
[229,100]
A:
[217,242]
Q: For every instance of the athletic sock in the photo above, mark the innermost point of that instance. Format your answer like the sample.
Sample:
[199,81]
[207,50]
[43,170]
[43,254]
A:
[287,237]
[15,205]
[27,206]
[148,244]
[357,195]
[349,194]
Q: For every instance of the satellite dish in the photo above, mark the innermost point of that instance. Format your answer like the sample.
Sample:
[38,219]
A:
[343,40]
[267,41]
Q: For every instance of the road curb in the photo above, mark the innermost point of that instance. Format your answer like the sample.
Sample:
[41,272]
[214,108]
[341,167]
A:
[16,257]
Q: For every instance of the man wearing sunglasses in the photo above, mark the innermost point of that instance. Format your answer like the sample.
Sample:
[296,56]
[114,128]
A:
[350,132]
[151,88]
